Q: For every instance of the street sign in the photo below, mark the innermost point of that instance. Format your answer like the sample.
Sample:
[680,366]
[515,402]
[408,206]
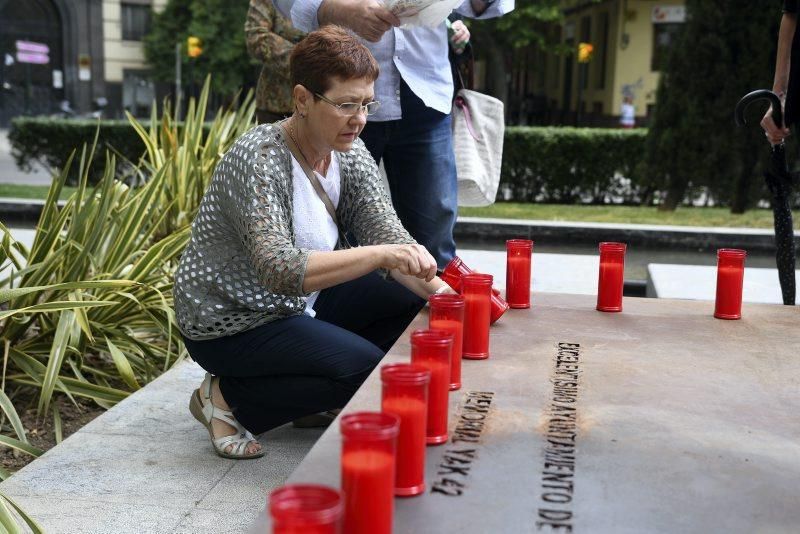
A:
[30,46]
[33,57]
[31,52]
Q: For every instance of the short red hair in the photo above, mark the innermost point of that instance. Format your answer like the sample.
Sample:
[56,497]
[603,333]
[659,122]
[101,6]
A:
[328,53]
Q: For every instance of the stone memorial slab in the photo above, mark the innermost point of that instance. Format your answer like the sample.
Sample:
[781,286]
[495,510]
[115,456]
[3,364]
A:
[657,419]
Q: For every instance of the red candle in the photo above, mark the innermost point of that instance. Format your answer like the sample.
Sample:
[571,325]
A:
[447,313]
[431,349]
[730,282]
[611,280]
[477,291]
[305,509]
[452,275]
[518,272]
[405,394]
[368,471]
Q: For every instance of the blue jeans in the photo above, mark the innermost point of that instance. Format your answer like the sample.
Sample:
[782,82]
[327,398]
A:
[285,369]
[417,152]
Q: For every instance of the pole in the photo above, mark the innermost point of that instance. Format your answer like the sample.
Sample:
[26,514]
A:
[581,74]
[178,88]
[191,79]
[27,88]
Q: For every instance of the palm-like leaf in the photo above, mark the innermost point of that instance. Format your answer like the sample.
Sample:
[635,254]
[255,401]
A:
[86,311]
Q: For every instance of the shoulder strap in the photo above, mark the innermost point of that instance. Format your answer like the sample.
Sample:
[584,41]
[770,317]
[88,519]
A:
[323,196]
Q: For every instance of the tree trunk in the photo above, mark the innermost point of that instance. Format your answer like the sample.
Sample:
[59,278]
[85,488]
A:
[676,191]
[743,185]
[497,77]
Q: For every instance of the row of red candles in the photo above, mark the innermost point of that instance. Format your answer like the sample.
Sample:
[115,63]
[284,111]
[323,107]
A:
[383,453]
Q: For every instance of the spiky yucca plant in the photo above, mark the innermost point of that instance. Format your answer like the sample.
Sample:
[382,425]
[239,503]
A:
[87,310]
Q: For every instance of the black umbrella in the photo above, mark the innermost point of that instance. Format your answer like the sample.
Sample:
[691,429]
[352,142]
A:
[779,181]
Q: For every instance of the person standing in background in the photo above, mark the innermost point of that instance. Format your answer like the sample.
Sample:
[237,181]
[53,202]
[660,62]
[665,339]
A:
[786,83]
[627,118]
[270,38]
[411,132]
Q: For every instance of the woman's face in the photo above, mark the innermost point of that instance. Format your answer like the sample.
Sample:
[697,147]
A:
[330,127]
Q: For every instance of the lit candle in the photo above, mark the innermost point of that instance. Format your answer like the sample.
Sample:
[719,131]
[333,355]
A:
[447,314]
[452,275]
[611,279]
[431,349]
[405,394]
[730,282]
[368,471]
[305,509]
[518,272]
[477,292]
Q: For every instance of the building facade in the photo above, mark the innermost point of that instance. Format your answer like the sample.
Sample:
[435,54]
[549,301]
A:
[81,52]
[629,39]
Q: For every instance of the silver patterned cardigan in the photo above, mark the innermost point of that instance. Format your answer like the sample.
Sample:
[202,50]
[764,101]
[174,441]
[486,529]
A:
[241,268]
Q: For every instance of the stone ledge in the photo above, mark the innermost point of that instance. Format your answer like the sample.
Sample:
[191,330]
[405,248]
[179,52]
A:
[671,237]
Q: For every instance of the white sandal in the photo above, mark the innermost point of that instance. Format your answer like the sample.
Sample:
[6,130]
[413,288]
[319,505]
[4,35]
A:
[204,411]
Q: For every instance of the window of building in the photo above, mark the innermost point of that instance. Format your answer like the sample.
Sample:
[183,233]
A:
[664,36]
[135,21]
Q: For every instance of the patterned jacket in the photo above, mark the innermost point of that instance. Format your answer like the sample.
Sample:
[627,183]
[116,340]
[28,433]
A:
[241,268]
[270,39]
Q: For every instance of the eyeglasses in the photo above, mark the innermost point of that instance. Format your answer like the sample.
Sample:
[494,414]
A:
[351,108]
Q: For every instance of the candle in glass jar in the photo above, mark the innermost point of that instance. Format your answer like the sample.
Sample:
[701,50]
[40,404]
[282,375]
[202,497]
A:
[447,314]
[305,509]
[405,394]
[611,279]
[518,272]
[432,349]
[369,442]
[477,291]
[452,275]
[730,283]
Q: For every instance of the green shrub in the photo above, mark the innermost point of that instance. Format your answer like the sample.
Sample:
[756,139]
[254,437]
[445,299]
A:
[50,141]
[569,165]
[552,164]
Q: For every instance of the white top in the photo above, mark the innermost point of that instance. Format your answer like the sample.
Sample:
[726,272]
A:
[628,115]
[314,228]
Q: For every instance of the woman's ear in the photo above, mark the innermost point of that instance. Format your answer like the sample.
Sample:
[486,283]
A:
[302,99]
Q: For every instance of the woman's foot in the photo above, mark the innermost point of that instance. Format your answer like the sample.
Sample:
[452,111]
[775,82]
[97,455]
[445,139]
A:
[219,427]
[229,438]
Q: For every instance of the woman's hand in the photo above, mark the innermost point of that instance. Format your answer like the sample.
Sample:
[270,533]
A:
[411,260]
[460,36]
[774,134]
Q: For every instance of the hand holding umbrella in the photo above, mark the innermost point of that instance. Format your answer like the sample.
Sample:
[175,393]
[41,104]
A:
[779,181]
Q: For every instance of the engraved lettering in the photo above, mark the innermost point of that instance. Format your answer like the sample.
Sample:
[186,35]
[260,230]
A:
[559,455]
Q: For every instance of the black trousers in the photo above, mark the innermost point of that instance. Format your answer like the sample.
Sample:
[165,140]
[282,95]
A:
[300,365]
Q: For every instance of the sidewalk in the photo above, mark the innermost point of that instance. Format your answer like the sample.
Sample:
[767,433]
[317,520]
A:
[10,174]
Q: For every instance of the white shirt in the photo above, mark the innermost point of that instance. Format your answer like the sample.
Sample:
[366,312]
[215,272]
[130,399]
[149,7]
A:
[314,228]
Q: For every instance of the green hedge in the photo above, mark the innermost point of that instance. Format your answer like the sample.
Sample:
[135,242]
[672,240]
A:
[51,141]
[569,165]
[551,164]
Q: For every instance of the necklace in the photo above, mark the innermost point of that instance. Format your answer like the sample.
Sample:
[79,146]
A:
[294,140]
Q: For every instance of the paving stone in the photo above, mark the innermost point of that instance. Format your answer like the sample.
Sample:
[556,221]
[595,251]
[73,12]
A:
[66,516]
